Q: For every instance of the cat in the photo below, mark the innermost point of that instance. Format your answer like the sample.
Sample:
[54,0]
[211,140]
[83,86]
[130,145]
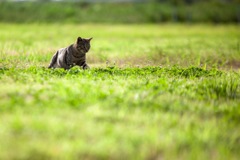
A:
[75,54]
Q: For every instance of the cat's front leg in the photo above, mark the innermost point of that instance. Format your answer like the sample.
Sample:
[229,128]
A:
[85,66]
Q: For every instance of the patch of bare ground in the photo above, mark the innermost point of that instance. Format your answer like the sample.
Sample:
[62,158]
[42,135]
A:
[130,61]
[160,59]
[233,64]
[126,62]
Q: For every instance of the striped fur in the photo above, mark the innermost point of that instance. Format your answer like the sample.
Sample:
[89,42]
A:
[72,55]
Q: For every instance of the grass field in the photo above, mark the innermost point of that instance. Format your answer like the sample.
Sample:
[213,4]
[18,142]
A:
[153,92]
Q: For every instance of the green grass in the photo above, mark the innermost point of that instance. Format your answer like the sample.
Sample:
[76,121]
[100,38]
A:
[168,92]
[184,45]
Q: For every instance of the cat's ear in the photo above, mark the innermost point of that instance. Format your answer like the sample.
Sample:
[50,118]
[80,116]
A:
[89,39]
[79,39]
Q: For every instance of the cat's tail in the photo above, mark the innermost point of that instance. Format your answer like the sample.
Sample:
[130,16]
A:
[54,60]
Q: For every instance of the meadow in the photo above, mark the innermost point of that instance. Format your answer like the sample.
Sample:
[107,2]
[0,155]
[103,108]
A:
[169,91]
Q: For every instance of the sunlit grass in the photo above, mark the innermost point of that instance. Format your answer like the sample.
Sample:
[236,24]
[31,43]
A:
[167,92]
[143,45]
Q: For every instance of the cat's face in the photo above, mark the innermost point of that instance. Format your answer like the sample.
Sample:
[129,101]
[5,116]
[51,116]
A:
[83,45]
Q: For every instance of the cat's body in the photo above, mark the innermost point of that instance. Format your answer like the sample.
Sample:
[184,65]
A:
[72,55]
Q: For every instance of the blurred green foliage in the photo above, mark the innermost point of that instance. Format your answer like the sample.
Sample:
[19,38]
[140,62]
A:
[152,12]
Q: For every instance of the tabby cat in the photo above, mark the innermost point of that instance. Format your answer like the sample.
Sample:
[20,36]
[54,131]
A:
[75,54]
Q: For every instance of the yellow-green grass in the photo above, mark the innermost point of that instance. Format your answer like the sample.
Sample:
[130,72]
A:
[167,92]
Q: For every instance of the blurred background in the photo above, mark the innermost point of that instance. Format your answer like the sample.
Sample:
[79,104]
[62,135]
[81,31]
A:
[120,11]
